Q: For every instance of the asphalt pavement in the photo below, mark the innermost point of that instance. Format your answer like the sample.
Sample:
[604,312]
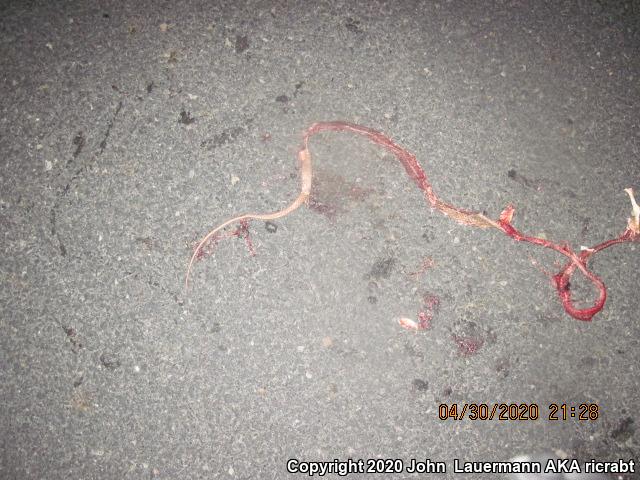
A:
[129,129]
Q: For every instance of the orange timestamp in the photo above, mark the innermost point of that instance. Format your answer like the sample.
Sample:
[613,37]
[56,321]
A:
[518,411]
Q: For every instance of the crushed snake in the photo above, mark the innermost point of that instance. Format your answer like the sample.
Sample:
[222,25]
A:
[466,217]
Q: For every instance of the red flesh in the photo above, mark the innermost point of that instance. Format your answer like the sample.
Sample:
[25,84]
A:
[561,279]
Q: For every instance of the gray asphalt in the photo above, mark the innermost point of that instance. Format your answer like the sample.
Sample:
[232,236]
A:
[129,129]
